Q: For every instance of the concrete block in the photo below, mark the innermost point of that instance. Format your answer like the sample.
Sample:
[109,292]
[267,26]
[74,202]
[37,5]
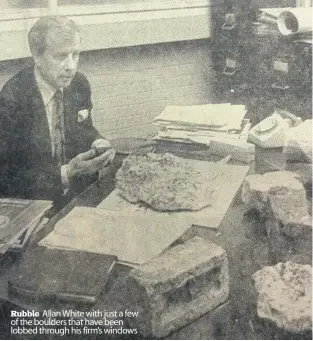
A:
[215,325]
[178,287]
[238,149]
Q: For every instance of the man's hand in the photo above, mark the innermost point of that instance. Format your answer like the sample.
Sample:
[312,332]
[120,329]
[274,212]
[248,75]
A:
[87,163]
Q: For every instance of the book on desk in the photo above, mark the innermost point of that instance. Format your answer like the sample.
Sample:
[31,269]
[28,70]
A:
[52,275]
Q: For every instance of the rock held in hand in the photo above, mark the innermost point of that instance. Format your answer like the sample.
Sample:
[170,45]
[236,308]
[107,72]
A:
[101,146]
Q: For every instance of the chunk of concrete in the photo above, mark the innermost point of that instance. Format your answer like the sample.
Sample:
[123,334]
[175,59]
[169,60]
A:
[283,248]
[177,287]
[290,210]
[215,325]
[289,226]
[304,170]
[285,295]
[256,188]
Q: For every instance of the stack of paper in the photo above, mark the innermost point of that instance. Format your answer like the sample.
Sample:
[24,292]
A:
[202,123]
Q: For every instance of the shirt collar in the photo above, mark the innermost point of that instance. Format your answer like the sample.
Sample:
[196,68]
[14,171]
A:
[47,91]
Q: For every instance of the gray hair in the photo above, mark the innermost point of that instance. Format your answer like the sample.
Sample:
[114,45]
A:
[56,25]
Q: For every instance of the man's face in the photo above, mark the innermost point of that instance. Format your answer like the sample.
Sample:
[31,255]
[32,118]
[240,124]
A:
[58,64]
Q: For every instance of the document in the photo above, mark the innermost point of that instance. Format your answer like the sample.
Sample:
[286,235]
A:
[132,237]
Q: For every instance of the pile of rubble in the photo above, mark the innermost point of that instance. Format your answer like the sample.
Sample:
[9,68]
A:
[284,290]
[280,198]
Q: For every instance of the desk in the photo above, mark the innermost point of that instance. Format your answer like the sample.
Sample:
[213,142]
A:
[244,239]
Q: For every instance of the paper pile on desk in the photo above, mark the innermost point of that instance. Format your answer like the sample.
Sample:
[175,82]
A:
[202,123]
[133,237]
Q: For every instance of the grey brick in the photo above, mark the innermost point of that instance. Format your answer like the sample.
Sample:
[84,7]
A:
[179,286]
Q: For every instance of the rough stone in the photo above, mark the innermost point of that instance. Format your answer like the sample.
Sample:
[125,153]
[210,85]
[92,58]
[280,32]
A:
[285,295]
[177,287]
[290,210]
[166,182]
[289,227]
[304,170]
[256,188]
[283,248]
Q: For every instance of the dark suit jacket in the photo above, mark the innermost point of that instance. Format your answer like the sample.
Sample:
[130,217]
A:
[27,169]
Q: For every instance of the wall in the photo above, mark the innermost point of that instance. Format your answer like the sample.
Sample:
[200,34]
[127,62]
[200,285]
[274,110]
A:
[113,25]
[132,85]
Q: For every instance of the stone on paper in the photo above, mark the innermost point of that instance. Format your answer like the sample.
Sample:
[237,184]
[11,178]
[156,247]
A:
[166,182]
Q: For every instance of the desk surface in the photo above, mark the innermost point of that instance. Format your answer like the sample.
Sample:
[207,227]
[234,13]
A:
[244,239]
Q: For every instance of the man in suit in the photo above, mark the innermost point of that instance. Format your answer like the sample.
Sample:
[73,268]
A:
[46,130]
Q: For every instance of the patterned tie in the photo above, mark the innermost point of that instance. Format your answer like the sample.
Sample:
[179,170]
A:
[58,129]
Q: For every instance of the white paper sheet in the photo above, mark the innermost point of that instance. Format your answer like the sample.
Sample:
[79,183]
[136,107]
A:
[227,186]
[133,237]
